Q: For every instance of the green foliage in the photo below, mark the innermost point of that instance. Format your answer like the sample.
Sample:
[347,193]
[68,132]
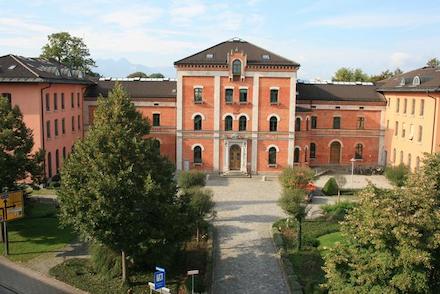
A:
[433,62]
[345,74]
[68,50]
[117,189]
[338,211]
[17,161]
[397,174]
[296,177]
[193,178]
[137,74]
[392,239]
[156,75]
[292,202]
[307,264]
[106,261]
[331,187]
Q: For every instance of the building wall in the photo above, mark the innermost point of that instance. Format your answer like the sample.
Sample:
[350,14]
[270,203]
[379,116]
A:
[409,149]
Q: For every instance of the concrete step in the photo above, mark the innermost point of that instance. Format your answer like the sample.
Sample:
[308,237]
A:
[235,174]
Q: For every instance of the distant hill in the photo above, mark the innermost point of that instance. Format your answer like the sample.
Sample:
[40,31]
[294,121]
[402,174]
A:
[122,67]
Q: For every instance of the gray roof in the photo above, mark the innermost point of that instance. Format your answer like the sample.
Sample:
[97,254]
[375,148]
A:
[219,52]
[429,81]
[330,91]
[136,88]
[19,69]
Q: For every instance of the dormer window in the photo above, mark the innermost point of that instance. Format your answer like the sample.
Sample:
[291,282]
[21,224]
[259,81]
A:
[236,67]
[265,57]
[209,56]
[402,82]
[11,67]
[416,81]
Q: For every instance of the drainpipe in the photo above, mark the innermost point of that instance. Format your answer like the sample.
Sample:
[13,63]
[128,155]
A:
[43,145]
[434,120]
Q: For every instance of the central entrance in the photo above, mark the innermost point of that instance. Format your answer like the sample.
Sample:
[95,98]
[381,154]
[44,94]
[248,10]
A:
[235,157]
[335,152]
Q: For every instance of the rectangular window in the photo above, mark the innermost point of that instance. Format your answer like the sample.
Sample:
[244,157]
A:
[63,126]
[78,103]
[47,102]
[198,92]
[73,123]
[8,97]
[405,104]
[422,107]
[62,101]
[336,122]
[360,123]
[229,94]
[413,106]
[314,122]
[411,132]
[398,105]
[273,96]
[312,150]
[243,95]
[420,136]
[156,119]
[72,101]
[48,129]
[55,101]
[79,122]
[388,124]
[403,130]
[56,127]
[396,128]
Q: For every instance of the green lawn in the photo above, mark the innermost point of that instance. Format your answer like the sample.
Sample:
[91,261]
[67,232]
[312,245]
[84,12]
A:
[37,233]
[44,191]
[329,240]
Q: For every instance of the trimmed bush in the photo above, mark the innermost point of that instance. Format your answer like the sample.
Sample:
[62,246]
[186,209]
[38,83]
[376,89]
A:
[338,211]
[106,261]
[296,177]
[331,187]
[397,174]
[190,179]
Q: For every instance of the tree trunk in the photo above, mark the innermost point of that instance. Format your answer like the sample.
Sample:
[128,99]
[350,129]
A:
[197,234]
[124,268]
[339,195]
[298,235]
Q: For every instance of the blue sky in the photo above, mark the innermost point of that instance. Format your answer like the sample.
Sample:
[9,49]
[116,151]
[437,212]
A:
[321,35]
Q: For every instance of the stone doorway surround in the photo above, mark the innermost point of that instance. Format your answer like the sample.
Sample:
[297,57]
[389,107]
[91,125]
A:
[242,143]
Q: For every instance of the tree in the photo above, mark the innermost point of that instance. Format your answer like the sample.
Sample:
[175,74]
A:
[433,62]
[345,74]
[138,74]
[386,74]
[68,50]
[201,205]
[296,177]
[17,162]
[117,189]
[156,75]
[392,239]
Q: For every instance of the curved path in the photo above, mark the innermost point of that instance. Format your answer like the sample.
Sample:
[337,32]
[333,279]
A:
[245,260]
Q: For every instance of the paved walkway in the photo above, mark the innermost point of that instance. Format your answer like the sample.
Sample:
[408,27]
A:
[245,259]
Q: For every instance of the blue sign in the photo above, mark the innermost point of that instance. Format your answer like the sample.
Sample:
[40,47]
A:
[159,278]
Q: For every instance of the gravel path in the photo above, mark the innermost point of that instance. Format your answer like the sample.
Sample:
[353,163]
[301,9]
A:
[245,259]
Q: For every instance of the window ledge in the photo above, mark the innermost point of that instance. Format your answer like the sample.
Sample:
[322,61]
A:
[274,103]
[229,102]
[243,102]
[197,164]
[272,165]
[198,102]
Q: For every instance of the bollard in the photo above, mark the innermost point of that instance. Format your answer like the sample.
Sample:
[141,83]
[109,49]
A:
[263,178]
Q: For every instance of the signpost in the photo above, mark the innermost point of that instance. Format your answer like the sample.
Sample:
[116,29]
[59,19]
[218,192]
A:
[192,274]
[11,205]
[159,278]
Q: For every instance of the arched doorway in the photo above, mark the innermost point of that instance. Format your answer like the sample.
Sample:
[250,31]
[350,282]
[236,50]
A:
[234,157]
[296,155]
[335,152]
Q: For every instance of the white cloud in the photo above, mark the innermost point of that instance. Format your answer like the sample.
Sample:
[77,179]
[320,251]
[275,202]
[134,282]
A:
[132,17]
[183,12]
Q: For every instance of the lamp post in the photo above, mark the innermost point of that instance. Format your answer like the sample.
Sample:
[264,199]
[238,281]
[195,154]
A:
[192,273]
[352,170]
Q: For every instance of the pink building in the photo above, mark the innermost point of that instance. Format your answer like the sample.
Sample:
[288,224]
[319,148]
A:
[50,96]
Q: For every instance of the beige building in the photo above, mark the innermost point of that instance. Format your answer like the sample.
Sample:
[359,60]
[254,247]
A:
[412,116]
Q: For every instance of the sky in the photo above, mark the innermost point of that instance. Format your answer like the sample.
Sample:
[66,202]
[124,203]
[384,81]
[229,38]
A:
[321,35]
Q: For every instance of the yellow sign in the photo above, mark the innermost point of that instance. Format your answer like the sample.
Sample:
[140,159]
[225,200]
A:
[13,203]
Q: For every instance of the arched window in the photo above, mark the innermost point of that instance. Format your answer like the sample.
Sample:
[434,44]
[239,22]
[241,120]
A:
[409,160]
[57,161]
[272,156]
[359,150]
[297,124]
[236,67]
[296,155]
[242,121]
[312,150]
[305,154]
[64,153]
[307,124]
[197,154]
[197,122]
[228,123]
[49,164]
[273,124]
[416,81]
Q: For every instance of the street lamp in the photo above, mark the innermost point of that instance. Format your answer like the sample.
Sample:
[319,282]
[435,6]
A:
[352,170]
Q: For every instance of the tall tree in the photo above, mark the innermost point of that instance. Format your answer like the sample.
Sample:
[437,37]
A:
[392,240]
[433,62]
[156,75]
[386,74]
[345,74]
[138,74]
[17,162]
[117,189]
[68,50]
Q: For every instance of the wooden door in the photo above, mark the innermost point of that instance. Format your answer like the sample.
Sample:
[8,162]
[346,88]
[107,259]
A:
[335,153]
[234,157]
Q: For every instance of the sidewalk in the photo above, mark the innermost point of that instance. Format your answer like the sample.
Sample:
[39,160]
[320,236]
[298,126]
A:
[24,280]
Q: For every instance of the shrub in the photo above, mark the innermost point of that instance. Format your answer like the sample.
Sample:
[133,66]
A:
[191,179]
[397,174]
[53,185]
[331,187]
[337,211]
[106,261]
[296,177]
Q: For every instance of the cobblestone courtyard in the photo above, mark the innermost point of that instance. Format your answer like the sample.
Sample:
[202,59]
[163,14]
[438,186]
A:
[245,259]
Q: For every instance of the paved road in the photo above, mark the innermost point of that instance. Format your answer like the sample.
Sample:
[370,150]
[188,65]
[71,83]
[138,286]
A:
[245,259]
[17,279]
